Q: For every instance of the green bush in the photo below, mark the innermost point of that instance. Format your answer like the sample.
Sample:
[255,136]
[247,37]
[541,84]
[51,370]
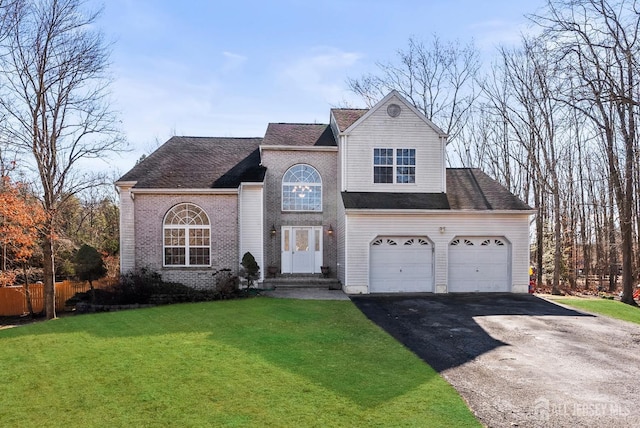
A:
[147,287]
[250,269]
[89,265]
[226,285]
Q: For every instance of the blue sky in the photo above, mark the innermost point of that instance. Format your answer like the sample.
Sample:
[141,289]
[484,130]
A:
[213,68]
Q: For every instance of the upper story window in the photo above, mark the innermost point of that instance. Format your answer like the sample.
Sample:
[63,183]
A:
[394,165]
[301,189]
[187,236]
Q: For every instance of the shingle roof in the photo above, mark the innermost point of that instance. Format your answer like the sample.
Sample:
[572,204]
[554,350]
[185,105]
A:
[298,134]
[388,201]
[199,163]
[467,189]
[345,117]
[472,189]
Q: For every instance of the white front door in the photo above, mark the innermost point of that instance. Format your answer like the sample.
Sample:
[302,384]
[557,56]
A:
[301,249]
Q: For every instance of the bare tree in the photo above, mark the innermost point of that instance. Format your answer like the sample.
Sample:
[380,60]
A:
[437,78]
[55,97]
[597,41]
[520,97]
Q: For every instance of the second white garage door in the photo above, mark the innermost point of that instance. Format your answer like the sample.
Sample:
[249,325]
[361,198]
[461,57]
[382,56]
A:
[479,264]
[401,264]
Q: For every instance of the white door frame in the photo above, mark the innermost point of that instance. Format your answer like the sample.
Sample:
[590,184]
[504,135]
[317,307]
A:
[307,263]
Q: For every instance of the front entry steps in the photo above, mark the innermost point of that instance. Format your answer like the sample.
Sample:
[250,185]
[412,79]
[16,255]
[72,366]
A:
[301,281]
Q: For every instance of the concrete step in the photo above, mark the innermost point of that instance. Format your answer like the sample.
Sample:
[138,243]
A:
[306,281]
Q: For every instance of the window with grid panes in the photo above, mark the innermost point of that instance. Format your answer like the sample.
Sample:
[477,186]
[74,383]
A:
[301,189]
[187,236]
[394,166]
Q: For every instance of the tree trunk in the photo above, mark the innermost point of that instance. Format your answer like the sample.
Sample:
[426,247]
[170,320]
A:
[27,292]
[627,262]
[557,237]
[613,251]
[539,235]
[49,275]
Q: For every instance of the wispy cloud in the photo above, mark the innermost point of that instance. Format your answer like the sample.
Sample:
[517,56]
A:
[321,71]
[232,61]
[492,33]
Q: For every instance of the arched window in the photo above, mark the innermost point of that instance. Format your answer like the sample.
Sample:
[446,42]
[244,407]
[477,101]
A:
[301,189]
[187,236]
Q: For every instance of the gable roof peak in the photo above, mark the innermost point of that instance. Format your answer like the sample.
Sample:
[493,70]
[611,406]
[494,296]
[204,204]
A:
[384,101]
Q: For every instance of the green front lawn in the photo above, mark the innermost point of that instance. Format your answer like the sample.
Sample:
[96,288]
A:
[610,308]
[257,362]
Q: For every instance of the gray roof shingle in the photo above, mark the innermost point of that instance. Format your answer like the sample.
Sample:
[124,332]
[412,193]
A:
[467,189]
[389,201]
[345,117]
[298,134]
[472,189]
[199,163]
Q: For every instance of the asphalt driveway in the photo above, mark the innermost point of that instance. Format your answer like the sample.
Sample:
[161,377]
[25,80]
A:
[519,360]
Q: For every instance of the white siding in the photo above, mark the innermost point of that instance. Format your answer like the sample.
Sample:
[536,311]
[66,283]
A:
[363,228]
[251,223]
[408,130]
[342,238]
[127,229]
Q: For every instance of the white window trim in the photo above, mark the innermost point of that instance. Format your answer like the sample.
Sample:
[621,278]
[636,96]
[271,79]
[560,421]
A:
[187,247]
[394,165]
[283,183]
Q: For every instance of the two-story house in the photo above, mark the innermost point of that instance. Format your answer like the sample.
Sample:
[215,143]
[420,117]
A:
[367,195]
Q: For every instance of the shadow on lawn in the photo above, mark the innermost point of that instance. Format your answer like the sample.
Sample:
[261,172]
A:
[441,329]
[328,343]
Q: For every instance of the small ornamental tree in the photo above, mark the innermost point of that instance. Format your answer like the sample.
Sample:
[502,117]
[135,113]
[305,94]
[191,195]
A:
[89,266]
[21,216]
[250,269]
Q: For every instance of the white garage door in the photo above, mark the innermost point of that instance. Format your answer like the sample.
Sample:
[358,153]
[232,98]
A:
[479,264]
[401,264]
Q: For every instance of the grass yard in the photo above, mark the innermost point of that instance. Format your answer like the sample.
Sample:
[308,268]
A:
[256,362]
[610,308]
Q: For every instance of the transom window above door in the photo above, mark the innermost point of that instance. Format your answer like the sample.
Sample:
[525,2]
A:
[301,189]
[394,166]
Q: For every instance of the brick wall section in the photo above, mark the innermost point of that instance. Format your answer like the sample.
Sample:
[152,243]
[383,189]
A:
[223,216]
[277,163]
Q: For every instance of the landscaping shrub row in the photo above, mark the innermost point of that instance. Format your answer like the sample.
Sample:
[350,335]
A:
[144,287]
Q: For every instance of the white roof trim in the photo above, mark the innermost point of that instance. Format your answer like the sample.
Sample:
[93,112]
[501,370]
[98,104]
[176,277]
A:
[390,95]
[124,184]
[252,184]
[382,212]
[300,148]
[176,191]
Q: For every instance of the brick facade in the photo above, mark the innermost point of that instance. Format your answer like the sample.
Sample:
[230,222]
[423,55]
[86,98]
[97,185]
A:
[277,163]
[222,210]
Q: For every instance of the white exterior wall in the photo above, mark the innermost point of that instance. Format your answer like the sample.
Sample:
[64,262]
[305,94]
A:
[251,223]
[340,215]
[407,131]
[127,229]
[363,228]
[341,237]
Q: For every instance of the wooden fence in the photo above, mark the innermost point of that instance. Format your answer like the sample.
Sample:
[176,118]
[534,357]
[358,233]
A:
[13,300]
